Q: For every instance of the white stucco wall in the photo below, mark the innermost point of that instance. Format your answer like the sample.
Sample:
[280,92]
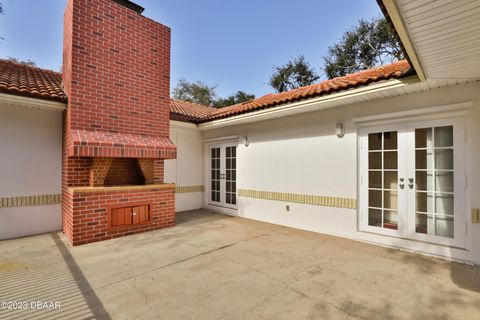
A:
[30,164]
[301,154]
[187,169]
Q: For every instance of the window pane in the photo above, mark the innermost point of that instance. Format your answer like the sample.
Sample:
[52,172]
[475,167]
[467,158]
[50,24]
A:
[444,226]
[390,220]
[444,136]
[444,181]
[390,140]
[375,179]
[423,159]
[444,159]
[424,202]
[424,180]
[444,203]
[375,198]
[390,160]
[423,138]
[375,160]
[390,200]
[424,224]
[375,217]
[375,141]
[234,152]
[390,180]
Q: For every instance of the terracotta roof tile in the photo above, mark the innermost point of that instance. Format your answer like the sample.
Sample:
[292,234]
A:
[20,79]
[395,70]
[188,111]
[34,82]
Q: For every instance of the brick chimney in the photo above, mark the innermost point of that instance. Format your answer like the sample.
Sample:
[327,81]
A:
[116,74]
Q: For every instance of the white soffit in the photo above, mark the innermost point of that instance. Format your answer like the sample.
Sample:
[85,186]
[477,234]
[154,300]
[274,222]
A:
[445,35]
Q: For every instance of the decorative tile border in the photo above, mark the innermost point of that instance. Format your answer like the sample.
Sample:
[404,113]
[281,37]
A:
[188,189]
[325,201]
[23,201]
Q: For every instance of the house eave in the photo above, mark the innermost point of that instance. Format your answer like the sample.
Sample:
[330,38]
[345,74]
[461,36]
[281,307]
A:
[33,103]
[308,105]
[390,10]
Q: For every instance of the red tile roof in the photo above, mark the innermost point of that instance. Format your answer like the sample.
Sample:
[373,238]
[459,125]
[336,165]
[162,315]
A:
[20,79]
[34,82]
[395,70]
[188,111]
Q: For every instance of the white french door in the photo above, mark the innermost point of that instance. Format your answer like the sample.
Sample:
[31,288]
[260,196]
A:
[223,175]
[412,181]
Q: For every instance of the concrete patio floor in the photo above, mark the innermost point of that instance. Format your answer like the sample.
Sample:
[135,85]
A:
[212,266]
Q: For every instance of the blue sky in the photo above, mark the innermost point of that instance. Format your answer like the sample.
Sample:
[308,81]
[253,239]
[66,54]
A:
[230,43]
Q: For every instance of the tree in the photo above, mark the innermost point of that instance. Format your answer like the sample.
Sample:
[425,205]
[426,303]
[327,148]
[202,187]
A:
[366,45]
[27,62]
[296,73]
[238,97]
[197,92]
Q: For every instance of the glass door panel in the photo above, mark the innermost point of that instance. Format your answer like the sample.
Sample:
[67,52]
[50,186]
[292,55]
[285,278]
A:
[215,175]
[383,180]
[231,175]
[434,186]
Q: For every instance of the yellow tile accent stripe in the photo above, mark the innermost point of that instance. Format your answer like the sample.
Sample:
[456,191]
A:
[325,201]
[187,189]
[24,201]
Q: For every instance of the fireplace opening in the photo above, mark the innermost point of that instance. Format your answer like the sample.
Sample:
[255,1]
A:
[124,172]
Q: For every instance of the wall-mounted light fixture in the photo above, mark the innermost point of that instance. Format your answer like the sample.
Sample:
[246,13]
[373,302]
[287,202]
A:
[245,141]
[340,130]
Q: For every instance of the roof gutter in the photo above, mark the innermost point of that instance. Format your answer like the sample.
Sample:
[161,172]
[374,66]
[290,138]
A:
[15,100]
[392,13]
[307,105]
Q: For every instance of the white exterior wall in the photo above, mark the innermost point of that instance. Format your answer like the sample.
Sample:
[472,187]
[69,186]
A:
[301,154]
[30,164]
[187,169]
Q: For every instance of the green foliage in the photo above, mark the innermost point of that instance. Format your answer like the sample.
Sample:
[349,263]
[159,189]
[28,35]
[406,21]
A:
[296,73]
[197,92]
[238,97]
[366,45]
[27,62]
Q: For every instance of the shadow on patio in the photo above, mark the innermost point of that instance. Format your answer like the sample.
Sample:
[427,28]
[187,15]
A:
[48,276]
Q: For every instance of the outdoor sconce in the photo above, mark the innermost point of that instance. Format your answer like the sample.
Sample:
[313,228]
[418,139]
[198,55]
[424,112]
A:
[245,141]
[340,130]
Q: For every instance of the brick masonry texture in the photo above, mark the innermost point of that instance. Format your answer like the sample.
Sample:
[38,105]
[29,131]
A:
[116,75]
[88,218]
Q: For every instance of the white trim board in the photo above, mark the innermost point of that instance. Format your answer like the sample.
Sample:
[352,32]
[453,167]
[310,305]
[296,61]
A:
[26,102]
[452,110]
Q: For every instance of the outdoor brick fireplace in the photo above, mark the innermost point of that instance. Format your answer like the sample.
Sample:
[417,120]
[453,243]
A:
[116,73]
